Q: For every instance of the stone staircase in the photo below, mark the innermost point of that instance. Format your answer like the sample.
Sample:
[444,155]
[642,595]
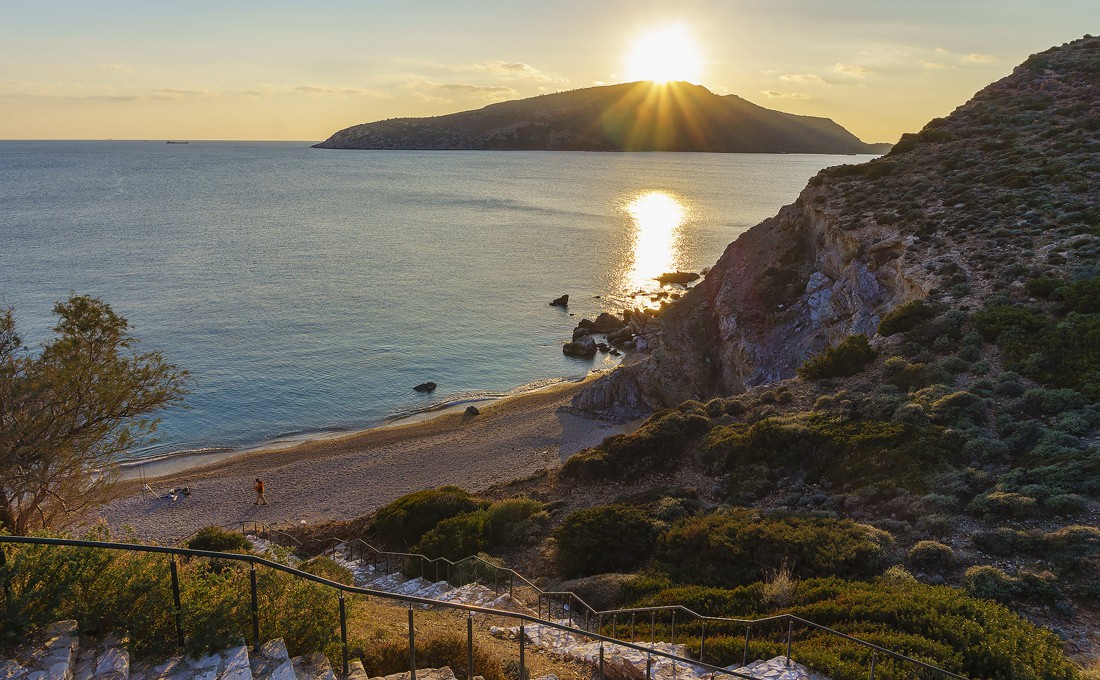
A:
[620,663]
[59,653]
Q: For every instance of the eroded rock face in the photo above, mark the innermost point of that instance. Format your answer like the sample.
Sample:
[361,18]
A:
[950,213]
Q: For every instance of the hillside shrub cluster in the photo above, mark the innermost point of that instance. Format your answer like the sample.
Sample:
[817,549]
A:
[656,445]
[404,522]
[851,356]
[503,525]
[114,591]
[217,539]
[740,546]
[830,447]
[974,637]
[606,538]
[905,317]
[391,656]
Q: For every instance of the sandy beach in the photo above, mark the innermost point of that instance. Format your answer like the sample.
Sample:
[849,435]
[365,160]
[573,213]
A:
[351,476]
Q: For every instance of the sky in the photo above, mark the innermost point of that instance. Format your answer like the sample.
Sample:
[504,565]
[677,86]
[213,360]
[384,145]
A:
[275,70]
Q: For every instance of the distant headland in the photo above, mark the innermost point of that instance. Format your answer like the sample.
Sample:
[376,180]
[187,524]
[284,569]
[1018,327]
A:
[641,116]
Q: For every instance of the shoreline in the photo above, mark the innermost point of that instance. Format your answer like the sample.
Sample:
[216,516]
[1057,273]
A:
[346,477]
[177,462]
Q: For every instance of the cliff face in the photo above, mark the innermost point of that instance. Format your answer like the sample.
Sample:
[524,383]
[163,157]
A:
[628,117]
[1004,187]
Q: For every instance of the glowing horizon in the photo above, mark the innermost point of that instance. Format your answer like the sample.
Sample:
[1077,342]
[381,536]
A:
[127,69]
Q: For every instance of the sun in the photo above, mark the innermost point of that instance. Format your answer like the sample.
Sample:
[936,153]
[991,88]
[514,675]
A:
[663,54]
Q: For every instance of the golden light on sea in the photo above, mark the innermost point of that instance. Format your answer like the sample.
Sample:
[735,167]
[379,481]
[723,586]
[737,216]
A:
[658,219]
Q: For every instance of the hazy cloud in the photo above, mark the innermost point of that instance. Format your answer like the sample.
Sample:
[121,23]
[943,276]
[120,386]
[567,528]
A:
[174,94]
[981,58]
[809,78]
[776,94]
[852,71]
[934,65]
[513,70]
[436,91]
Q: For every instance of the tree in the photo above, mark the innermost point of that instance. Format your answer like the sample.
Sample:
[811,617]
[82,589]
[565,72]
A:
[67,410]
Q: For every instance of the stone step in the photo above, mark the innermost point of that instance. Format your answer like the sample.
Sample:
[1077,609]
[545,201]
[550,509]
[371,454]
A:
[228,664]
[313,667]
[356,670]
[444,673]
[273,662]
[107,660]
[52,655]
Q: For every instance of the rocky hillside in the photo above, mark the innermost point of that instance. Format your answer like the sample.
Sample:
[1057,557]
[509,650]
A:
[638,116]
[1004,189]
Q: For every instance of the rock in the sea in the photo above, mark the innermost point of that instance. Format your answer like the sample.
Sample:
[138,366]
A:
[607,323]
[472,411]
[563,301]
[602,346]
[586,324]
[582,347]
[677,277]
[425,387]
[579,332]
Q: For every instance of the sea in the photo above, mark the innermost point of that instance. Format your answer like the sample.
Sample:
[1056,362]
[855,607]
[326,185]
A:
[307,291]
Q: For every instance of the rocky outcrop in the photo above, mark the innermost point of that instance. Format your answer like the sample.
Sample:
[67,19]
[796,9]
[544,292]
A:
[954,212]
[628,117]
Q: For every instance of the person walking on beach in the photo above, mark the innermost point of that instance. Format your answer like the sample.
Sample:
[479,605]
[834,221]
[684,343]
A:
[259,487]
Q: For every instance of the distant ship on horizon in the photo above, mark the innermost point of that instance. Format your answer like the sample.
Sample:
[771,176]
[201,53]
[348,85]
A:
[172,141]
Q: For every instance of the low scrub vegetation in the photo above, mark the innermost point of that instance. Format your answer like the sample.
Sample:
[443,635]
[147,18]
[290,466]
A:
[741,546]
[605,538]
[404,522]
[504,525]
[656,445]
[849,357]
[115,591]
[971,636]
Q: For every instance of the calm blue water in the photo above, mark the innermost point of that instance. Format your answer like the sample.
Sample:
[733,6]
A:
[309,290]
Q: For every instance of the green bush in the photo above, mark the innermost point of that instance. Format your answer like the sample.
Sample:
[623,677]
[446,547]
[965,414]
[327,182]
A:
[656,445]
[969,636]
[455,537]
[990,583]
[403,522]
[849,357]
[931,556]
[1043,286]
[605,538]
[216,539]
[1003,504]
[1083,296]
[740,546]
[514,523]
[905,317]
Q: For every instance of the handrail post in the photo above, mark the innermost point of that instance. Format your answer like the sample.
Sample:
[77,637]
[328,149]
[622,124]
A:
[176,600]
[255,612]
[615,626]
[569,604]
[412,646]
[745,655]
[601,660]
[790,626]
[632,626]
[874,658]
[648,667]
[673,640]
[702,642]
[511,585]
[522,640]
[4,575]
[469,645]
[344,631]
[652,628]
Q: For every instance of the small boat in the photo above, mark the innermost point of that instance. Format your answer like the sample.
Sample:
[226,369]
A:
[171,141]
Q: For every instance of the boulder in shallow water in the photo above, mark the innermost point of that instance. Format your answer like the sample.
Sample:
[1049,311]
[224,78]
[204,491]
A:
[602,346]
[607,323]
[579,332]
[584,347]
[563,301]
[681,278]
[426,387]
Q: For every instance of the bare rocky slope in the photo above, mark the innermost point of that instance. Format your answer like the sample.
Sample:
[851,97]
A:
[638,116]
[963,209]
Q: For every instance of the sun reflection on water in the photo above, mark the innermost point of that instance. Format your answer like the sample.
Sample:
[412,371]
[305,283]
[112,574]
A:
[658,219]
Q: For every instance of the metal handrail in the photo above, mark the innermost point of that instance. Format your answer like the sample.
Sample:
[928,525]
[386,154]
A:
[599,615]
[343,588]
